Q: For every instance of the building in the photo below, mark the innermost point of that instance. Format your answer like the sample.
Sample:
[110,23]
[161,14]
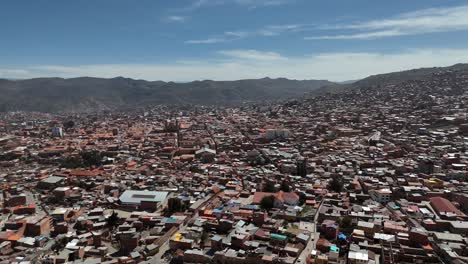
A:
[51,182]
[206,155]
[57,132]
[382,195]
[301,165]
[444,208]
[271,134]
[143,199]
[37,226]
[358,257]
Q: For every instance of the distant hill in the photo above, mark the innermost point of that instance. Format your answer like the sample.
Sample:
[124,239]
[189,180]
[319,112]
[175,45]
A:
[90,94]
[388,78]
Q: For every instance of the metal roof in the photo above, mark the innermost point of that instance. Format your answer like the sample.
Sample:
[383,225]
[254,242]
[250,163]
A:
[135,197]
[53,179]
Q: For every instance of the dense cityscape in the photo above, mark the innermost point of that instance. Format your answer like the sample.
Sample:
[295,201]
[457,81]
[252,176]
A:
[375,175]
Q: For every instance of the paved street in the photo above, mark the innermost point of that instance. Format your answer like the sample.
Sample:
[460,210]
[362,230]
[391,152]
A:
[159,257]
[312,241]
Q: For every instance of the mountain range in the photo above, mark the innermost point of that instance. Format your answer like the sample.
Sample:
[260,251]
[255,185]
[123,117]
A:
[91,94]
[393,78]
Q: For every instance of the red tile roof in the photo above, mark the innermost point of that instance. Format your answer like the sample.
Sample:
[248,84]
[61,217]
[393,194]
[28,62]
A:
[82,173]
[443,205]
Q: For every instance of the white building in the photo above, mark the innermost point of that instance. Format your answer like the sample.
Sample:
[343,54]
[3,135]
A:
[381,195]
[358,257]
[57,132]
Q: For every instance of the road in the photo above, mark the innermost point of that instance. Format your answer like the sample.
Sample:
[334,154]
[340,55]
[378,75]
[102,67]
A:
[309,247]
[312,241]
[159,257]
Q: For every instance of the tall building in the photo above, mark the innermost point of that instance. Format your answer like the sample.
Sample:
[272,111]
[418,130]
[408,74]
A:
[301,165]
[277,134]
[57,132]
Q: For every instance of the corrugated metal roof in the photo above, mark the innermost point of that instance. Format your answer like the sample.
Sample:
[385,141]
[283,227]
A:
[135,197]
[53,179]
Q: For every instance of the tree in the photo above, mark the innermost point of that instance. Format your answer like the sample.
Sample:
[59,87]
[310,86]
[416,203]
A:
[336,184]
[285,187]
[259,160]
[91,158]
[203,237]
[71,162]
[112,220]
[60,243]
[346,222]
[302,198]
[68,124]
[269,187]
[267,202]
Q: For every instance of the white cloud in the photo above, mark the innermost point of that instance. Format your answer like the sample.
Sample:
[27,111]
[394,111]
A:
[237,34]
[251,4]
[14,73]
[243,64]
[206,41]
[367,35]
[254,55]
[176,18]
[267,31]
[424,21]
[196,4]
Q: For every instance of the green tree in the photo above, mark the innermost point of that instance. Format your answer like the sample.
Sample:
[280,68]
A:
[267,202]
[91,158]
[302,198]
[60,243]
[285,187]
[72,162]
[336,184]
[203,237]
[112,220]
[269,187]
[346,222]
[68,124]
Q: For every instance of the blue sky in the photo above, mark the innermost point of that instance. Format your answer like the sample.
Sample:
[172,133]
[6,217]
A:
[184,40]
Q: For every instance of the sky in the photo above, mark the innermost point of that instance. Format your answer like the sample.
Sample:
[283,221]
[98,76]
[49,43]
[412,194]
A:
[185,40]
